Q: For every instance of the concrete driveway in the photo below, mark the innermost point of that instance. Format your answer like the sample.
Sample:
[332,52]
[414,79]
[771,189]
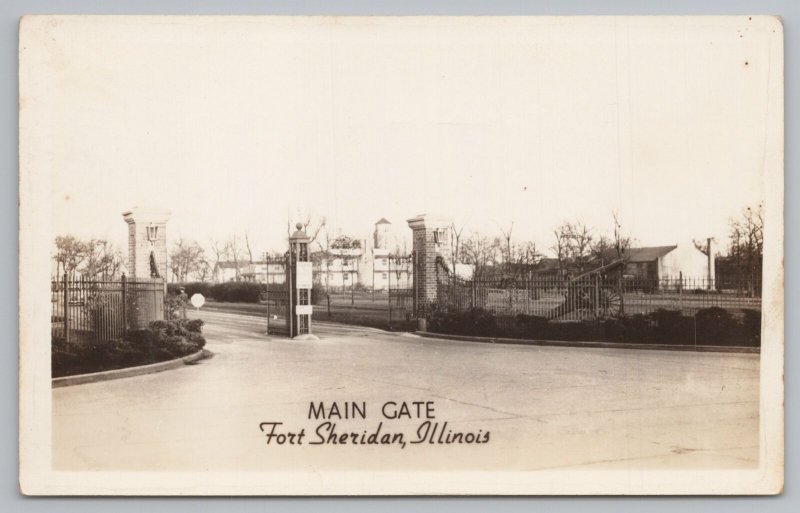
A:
[545,407]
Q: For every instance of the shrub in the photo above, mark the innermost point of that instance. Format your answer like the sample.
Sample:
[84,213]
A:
[165,333]
[480,321]
[231,291]
[715,326]
[236,292]
[318,294]
[704,292]
[161,340]
[475,321]
[194,325]
[751,327]
[710,326]
[191,288]
[531,326]
[671,327]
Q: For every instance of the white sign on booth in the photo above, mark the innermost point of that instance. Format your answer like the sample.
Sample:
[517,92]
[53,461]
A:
[304,275]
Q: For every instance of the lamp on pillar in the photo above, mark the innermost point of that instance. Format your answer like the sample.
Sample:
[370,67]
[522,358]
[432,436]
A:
[152,236]
[147,242]
[152,233]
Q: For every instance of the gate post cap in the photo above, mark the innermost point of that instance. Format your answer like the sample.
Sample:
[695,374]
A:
[429,221]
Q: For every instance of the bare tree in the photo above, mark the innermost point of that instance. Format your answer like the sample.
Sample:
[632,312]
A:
[312,225]
[247,246]
[746,247]
[103,259]
[324,243]
[622,243]
[481,252]
[704,245]
[524,257]
[233,251]
[580,243]
[204,271]
[527,254]
[218,249]
[455,244]
[187,257]
[561,247]
[70,254]
[94,258]
[603,251]
[507,240]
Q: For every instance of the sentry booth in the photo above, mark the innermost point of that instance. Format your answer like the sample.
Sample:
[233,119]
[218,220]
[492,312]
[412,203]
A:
[298,315]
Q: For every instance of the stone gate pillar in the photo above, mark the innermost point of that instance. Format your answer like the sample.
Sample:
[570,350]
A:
[147,235]
[431,238]
[147,266]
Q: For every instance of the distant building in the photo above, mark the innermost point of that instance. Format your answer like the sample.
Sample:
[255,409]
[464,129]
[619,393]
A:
[390,270]
[376,264]
[380,262]
[382,234]
[339,268]
[547,268]
[389,266]
[269,271]
[664,263]
[225,271]
[652,263]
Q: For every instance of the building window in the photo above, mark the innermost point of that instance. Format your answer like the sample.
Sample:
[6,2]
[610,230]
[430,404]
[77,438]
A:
[385,276]
[384,262]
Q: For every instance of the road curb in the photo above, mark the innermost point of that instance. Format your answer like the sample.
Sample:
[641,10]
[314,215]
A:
[599,345]
[128,372]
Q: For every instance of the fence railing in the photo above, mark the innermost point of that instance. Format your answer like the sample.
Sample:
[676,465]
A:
[84,309]
[596,296]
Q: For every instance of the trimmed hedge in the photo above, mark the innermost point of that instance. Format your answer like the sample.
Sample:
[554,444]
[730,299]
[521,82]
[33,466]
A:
[475,321]
[710,326]
[229,292]
[240,291]
[161,341]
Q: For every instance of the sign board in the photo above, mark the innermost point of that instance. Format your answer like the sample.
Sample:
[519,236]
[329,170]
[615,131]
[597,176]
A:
[304,275]
[198,300]
[304,309]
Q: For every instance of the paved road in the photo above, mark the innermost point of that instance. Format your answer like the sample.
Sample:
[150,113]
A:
[545,407]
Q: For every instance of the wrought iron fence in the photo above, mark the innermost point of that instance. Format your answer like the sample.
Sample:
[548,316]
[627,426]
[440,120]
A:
[84,309]
[596,296]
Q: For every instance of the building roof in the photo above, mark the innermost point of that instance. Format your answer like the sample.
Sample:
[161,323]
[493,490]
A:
[648,254]
[229,265]
[548,263]
[383,221]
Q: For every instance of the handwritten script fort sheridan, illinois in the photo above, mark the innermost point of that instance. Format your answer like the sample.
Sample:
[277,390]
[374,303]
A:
[429,430]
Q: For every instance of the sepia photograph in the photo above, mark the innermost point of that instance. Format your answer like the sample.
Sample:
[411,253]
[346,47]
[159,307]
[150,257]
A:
[321,255]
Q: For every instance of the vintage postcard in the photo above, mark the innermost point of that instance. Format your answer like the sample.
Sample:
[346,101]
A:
[401,255]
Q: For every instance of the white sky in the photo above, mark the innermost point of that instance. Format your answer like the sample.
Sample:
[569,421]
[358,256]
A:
[230,123]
